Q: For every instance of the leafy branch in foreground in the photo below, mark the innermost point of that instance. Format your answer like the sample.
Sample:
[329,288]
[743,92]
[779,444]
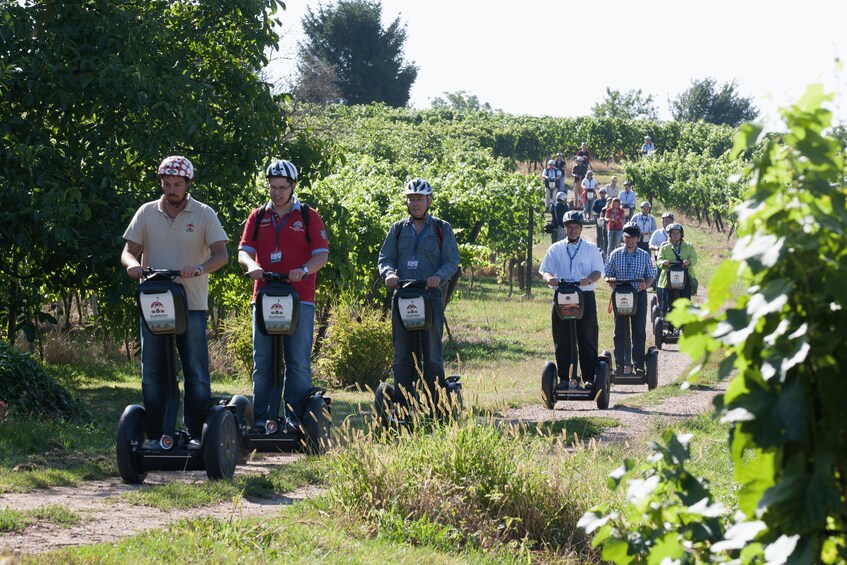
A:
[788,435]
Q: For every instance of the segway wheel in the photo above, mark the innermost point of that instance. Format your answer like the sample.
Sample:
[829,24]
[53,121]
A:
[658,325]
[602,385]
[652,368]
[548,384]
[654,308]
[130,429]
[316,425]
[243,411]
[384,403]
[455,403]
[221,444]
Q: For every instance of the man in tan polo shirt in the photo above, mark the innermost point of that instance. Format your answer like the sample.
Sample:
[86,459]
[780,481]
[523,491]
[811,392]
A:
[180,233]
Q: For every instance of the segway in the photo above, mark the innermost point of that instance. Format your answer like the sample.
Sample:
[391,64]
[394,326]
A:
[569,303]
[412,302]
[625,305]
[277,311]
[164,311]
[663,332]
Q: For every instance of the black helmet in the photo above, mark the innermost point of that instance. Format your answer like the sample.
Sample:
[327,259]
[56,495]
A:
[631,229]
[573,217]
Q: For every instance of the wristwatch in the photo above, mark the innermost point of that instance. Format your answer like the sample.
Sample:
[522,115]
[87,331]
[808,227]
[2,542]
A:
[200,268]
[305,269]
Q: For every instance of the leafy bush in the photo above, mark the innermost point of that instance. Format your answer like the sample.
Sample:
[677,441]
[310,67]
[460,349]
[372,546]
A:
[357,349]
[785,404]
[237,330]
[29,389]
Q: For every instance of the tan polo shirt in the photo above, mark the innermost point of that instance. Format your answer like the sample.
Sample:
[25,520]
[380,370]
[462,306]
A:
[175,244]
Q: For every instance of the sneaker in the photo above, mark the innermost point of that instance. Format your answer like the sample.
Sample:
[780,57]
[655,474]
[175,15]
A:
[563,385]
[194,444]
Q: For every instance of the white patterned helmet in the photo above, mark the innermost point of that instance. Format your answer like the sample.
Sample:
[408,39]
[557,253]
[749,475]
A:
[176,166]
[418,186]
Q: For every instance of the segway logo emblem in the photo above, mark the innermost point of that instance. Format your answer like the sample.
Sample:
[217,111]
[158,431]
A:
[189,228]
[158,310]
[411,309]
[277,309]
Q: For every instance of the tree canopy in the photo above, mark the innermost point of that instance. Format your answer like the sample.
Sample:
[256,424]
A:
[346,46]
[461,101]
[94,94]
[629,105]
[705,100]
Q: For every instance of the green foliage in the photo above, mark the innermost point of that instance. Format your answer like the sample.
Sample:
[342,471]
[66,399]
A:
[96,93]
[460,101]
[702,101]
[28,389]
[706,187]
[788,438]
[629,105]
[357,349]
[363,60]
[237,330]
[669,514]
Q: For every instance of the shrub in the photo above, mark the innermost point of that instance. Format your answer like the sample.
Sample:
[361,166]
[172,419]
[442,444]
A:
[237,330]
[29,389]
[357,349]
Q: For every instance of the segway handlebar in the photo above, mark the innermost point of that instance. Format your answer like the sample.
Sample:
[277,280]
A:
[411,283]
[613,280]
[276,277]
[150,271]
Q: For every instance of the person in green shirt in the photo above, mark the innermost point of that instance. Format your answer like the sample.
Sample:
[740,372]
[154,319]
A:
[676,249]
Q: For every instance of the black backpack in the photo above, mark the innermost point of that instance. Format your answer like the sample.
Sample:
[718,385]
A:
[304,211]
[438,227]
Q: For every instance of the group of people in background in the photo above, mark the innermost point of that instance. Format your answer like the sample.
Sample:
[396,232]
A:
[630,246]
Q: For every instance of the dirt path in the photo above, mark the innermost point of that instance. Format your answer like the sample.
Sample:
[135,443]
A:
[106,517]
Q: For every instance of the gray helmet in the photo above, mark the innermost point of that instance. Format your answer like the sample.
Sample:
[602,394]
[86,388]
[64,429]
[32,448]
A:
[573,217]
[667,215]
[562,197]
[631,229]
[677,227]
[645,203]
[282,168]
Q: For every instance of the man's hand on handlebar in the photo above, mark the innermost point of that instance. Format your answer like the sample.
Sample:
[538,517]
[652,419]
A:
[256,273]
[433,282]
[392,280]
[136,272]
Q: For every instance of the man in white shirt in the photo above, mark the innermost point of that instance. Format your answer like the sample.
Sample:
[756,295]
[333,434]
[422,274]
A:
[574,259]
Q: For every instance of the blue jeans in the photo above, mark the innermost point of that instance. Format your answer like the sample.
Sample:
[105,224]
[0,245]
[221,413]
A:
[405,371]
[638,334]
[297,379]
[614,237]
[161,398]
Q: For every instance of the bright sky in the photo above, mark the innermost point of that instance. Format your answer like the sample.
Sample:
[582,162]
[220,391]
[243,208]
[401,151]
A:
[547,57]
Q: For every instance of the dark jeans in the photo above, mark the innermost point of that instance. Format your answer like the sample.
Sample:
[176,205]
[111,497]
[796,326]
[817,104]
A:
[406,364]
[638,333]
[155,387]
[587,336]
[297,379]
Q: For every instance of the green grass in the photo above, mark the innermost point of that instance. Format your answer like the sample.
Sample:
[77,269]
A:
[284,478]
[17,520]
